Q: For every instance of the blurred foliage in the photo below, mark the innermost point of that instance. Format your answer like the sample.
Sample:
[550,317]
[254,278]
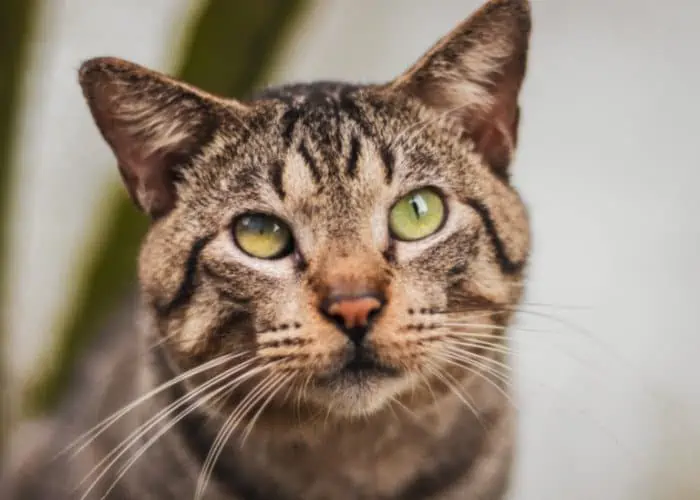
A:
[16,17]
[232,46]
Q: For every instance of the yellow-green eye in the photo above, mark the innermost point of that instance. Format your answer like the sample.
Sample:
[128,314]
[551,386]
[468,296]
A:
[417,215]
[263,236]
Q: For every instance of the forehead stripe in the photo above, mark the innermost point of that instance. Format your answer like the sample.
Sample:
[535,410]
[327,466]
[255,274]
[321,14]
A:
[289,122]
[310,162]
[277,178]
[388,163]
[351,168]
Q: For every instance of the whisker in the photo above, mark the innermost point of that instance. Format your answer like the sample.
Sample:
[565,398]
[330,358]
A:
[228,428]
[460,362]
[140,431]
[501,345]
[408,410]
[579,410]
[467,314]
[90,435]
[301,394]
[479,360]
[330,407]
[485,362]
[563,307]
[480,344]
[264,405]
[454,387]
[426,381]
[390,406]
[496,334]
[137,358]
[197,404]
[474,325]
[513,338]
[519,309]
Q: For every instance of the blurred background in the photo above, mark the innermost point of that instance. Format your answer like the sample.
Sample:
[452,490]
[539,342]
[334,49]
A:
[607,347]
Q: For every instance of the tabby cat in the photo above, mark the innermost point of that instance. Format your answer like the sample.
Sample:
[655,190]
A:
[324,289]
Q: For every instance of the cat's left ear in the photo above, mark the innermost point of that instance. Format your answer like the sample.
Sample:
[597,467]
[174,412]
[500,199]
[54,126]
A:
[475,73]
[154,125]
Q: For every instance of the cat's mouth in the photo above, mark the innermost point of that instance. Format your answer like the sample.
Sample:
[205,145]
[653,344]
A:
[359,384]
[365,365]
[361,365]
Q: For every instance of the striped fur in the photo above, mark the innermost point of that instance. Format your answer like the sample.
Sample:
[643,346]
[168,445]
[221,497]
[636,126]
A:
[330,159]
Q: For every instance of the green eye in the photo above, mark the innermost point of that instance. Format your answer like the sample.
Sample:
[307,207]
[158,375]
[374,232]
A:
[417,215]
[263,236]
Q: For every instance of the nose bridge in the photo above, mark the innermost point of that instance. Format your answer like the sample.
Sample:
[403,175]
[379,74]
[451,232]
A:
[349,270]
[353,285]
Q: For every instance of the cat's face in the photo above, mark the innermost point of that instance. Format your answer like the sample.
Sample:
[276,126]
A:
[342,238]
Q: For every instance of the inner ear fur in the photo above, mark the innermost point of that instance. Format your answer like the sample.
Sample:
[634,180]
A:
[475,74]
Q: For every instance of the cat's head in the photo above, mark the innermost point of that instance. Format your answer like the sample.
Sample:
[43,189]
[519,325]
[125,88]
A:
[348,240]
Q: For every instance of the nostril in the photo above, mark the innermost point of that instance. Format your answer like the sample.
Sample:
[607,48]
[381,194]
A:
[373,314]
[339,320]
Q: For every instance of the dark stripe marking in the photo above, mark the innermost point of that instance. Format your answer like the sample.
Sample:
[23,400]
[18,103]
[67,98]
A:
[310,162]
[458,269]
[354,156]
[338,135]
[188,285]
[289,122]
[388,161]
[350,107]
[277,178]
[507,265]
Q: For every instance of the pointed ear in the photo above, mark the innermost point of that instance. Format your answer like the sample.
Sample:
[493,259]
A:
[475,74]
[153,124]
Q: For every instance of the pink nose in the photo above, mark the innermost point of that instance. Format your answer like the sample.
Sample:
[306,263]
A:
[353,312]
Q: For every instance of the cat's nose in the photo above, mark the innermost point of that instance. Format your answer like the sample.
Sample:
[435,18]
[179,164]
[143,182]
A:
[353,314]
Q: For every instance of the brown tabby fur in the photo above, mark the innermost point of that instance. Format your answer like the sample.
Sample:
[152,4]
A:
[428,415]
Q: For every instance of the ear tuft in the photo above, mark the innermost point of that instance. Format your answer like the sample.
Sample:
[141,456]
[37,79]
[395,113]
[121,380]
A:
[475,74]
[153,124]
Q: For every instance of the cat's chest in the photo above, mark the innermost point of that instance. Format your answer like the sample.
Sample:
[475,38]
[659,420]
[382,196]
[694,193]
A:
[394,461]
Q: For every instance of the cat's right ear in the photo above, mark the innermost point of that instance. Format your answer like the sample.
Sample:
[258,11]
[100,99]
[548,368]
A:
[474,74]
[153,124]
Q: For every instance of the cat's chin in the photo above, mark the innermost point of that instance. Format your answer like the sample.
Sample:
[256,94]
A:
[353,395]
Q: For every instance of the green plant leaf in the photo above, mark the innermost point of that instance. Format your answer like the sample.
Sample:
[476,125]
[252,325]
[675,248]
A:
[16,26]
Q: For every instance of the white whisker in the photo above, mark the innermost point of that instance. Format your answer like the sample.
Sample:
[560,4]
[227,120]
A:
[139,432]
[471,364]
[90,435]
[229,426]
[197,404]
[454,387]
[265,403]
